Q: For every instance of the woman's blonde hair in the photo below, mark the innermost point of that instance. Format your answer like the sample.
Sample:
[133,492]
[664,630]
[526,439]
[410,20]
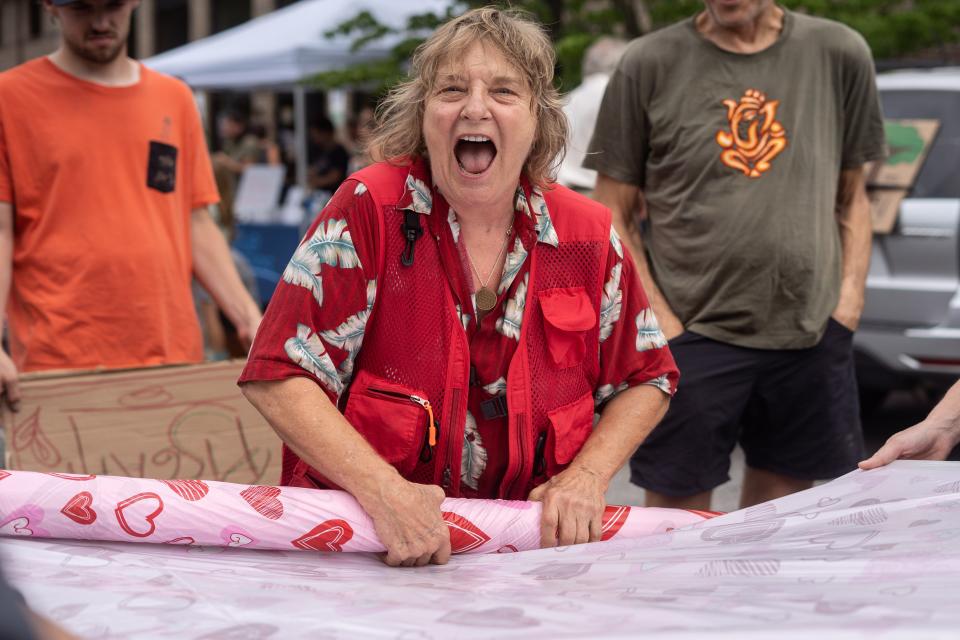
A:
[399,132]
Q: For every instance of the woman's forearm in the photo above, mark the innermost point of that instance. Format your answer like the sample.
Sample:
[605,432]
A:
[626,422]
[305,419]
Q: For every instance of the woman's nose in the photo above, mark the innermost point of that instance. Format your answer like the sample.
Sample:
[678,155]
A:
[476,106]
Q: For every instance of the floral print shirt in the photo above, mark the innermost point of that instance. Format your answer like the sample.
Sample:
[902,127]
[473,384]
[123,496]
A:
[315,322]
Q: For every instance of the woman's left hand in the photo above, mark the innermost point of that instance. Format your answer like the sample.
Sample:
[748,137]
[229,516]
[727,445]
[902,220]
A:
[573,504]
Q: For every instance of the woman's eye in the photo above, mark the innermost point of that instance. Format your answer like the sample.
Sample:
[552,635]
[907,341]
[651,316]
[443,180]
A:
[451,89]
[503,91]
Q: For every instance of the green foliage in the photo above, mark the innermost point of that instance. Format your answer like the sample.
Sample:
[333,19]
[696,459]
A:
[893,28]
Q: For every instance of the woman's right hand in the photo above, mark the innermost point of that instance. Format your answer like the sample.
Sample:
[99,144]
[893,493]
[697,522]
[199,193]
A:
[407,519]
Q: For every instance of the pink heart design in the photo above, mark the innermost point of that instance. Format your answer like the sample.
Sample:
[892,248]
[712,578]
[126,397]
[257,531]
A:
[327,536]
[79,508]
[613,519]
[16,527]
[4,474]
[264,501]
[137,506]
[187,540]
[239,540]
[464,535]
[190,490]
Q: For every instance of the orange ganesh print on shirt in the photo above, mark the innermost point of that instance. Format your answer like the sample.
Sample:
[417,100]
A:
[755,137]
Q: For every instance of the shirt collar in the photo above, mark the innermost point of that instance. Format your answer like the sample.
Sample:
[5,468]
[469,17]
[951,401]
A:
[418,196]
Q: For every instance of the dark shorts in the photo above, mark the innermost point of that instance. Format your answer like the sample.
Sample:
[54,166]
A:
[795,413]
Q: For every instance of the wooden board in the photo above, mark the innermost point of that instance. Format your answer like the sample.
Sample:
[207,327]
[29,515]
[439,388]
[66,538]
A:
[166,422]
[885,207]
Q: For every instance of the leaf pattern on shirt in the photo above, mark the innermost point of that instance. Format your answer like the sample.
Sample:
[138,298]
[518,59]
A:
[607,392]
[307,350]
[454,226]
[303,270]
[509,324]
[332,245]
[473,457]
[649,335]
[520,202]
[545,231]
[496,387]
[512,266]
[422,200]
[349,335]
[611,302]
[662,383]
[360,189]
[464,317]
[615,242]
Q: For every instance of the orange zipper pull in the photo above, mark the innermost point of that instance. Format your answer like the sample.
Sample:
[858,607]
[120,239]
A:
[432,426]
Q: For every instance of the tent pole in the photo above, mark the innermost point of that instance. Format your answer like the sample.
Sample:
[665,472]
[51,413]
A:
[300,132]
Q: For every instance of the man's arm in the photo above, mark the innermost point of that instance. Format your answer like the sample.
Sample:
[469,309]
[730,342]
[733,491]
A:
[856,232]
[406,515]
[573,500]
[9,377]
[622,199]
[214,268]
[932,439]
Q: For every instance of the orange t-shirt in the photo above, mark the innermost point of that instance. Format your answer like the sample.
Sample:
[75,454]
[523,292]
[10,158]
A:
[102,181]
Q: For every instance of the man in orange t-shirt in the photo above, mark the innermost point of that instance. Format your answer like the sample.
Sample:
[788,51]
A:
[105,181]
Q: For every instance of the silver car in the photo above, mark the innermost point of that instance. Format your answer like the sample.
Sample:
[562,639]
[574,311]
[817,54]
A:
[910,331]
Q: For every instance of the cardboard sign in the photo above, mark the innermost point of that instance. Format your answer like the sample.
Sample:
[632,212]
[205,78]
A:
[889,181]
[187,422]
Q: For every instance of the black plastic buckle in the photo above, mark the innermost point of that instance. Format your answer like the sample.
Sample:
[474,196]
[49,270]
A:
[494,408]
[411,231]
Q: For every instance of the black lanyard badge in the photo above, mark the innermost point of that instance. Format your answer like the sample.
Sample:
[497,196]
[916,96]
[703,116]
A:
[162,167]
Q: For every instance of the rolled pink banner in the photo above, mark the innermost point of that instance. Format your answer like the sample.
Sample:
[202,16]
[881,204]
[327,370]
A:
[208,513]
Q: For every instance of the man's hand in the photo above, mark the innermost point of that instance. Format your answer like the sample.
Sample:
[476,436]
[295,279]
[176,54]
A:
[670,324]
[573,504]
[408,522]
[848,311]
[927,440]
[9,382]
[247,331]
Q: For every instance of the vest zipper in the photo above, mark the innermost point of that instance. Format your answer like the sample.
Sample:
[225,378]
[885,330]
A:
[539,455]
[433,427]
[508,486]
[447,478]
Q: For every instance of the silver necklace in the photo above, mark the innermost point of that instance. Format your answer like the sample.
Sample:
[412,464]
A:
[486,298]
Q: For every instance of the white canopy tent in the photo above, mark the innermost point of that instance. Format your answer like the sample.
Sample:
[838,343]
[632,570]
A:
[282,49]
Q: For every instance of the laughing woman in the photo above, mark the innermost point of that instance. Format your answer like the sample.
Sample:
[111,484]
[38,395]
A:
[453,320]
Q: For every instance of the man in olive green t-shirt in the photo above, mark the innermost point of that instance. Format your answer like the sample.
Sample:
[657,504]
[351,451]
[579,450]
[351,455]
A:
[745,130]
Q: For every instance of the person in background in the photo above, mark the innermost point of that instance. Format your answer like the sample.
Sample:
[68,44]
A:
[454,319]
[932,439]
[268,152]
[328,159]
[360,128]
[105,182]
[582,107]
[239,148]
[746,129]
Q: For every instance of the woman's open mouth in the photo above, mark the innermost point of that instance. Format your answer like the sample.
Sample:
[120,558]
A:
[475,154]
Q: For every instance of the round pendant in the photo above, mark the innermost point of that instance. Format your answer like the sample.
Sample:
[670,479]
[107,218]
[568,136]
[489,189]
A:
[486,299]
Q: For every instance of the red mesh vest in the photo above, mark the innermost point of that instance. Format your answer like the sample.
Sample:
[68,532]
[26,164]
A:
[415,346]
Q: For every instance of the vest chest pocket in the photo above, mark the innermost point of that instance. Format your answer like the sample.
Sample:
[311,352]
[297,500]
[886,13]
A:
[570,426]
[567,317]
[397,421]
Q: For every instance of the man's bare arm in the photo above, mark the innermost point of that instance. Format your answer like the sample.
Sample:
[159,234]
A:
[214,268]
[856,234]
[9,376]
[622,200]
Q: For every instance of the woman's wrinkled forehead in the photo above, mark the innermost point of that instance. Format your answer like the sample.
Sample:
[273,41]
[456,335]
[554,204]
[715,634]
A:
[454,63]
